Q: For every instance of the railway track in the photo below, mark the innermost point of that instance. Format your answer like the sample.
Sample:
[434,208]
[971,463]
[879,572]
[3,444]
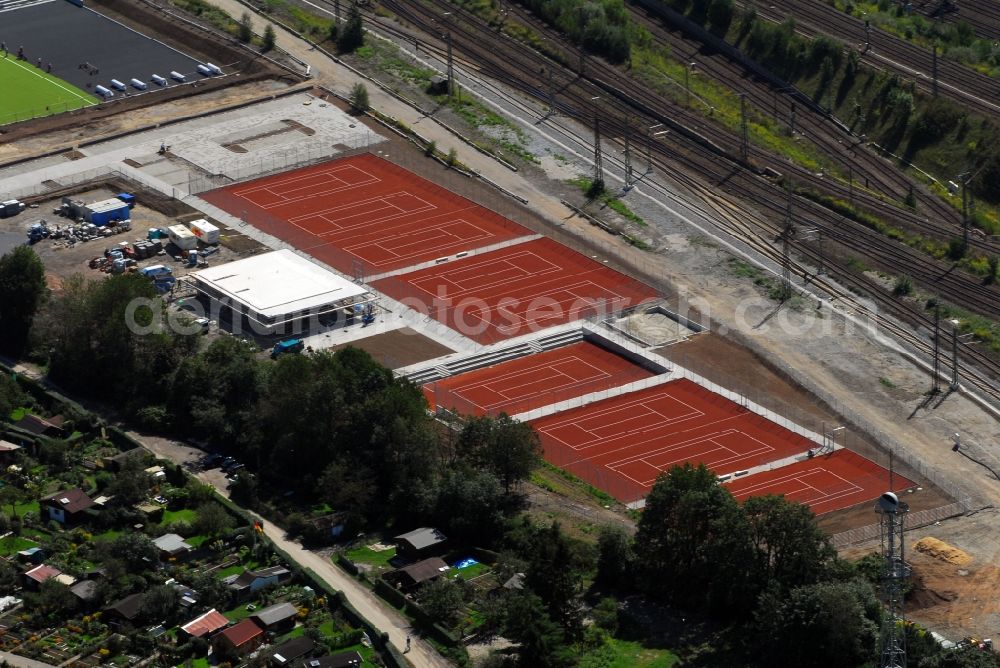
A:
[479,46]
[885,186]
[888,52]
[629,96]
[982,15]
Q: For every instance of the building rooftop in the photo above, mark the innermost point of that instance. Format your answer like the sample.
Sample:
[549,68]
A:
[342,660]
[7,446]
[171,543]
[70,500]
[295,648]
[129,606]
[207,623]
[242,633]
[419,539]
[275,613]
[278,283]
[425,570]
[42,573]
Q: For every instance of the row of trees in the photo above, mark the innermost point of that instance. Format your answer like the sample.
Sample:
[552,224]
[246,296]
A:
[765,561]
[601,26]
[337,427]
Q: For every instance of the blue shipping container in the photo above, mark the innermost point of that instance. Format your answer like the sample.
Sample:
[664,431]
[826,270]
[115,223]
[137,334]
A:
[102,218]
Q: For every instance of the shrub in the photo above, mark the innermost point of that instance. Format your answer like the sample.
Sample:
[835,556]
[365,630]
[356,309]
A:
[359,98]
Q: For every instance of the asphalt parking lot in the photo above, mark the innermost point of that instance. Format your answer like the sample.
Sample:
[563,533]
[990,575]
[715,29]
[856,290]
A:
[68,36]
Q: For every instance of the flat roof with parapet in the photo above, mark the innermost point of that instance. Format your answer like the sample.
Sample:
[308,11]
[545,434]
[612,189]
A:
[273,284]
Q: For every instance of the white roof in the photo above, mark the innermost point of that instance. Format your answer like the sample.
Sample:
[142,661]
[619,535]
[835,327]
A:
[279,282]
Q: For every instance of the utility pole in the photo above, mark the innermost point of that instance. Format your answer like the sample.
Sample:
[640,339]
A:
[451,70]
[786,240]
[934,71]
[744,130]
[687,84]
[628,155]
[954,355]
[791,120]
[850,184]
[966,207]
[868,35]
[598,157]
[936,384]
[649,146]
[336,11]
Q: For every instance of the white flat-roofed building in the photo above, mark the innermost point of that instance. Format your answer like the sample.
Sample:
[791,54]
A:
[274,290]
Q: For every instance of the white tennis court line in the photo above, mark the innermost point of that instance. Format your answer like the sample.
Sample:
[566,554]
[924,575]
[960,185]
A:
[366,219]
[297,178]
[476,269]
[706,457]
[31,70]
[601,413]
[433,240]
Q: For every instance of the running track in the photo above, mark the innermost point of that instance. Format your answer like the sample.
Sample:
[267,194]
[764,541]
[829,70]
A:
[364,215]
[534,381]
[621,445]
[831,482]
[516,290]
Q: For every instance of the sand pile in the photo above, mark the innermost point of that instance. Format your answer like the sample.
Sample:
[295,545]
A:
[939,549]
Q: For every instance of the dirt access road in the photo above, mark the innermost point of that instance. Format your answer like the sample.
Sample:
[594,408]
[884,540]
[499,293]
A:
[372,608]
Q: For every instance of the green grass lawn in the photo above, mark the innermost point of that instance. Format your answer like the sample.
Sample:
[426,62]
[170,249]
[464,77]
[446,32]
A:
[23,508]
[624,654]
[12,544]
[196,541]
[366,555]
[188,515]
[469,572]
[367,654]
[238,613]
[29,92]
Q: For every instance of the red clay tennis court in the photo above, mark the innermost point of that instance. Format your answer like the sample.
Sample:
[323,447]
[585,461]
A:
[364,214]
[831,482]
[534,381]
[621,445]
[519,289]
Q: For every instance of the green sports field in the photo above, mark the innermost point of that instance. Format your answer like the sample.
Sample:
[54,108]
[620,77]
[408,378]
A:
[28,92]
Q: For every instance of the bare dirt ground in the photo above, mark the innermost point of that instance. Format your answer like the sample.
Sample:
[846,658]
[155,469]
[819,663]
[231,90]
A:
[65,131]
[954,594]
[399,347]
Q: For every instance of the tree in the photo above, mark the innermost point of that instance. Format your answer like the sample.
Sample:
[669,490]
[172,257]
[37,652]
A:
[11,396]
[692,544]
[359,98]
[268,39]
[22,290]
[333,32]
[245,33]
[540,641]
[789,549]
[160,604]
[816,622]
[135,551]
[53,599]
[470,505]
[615,558]
[213,520]
[442,600]
[554,575]
[353,35]
[508,448]
[720,16]
[965,657]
